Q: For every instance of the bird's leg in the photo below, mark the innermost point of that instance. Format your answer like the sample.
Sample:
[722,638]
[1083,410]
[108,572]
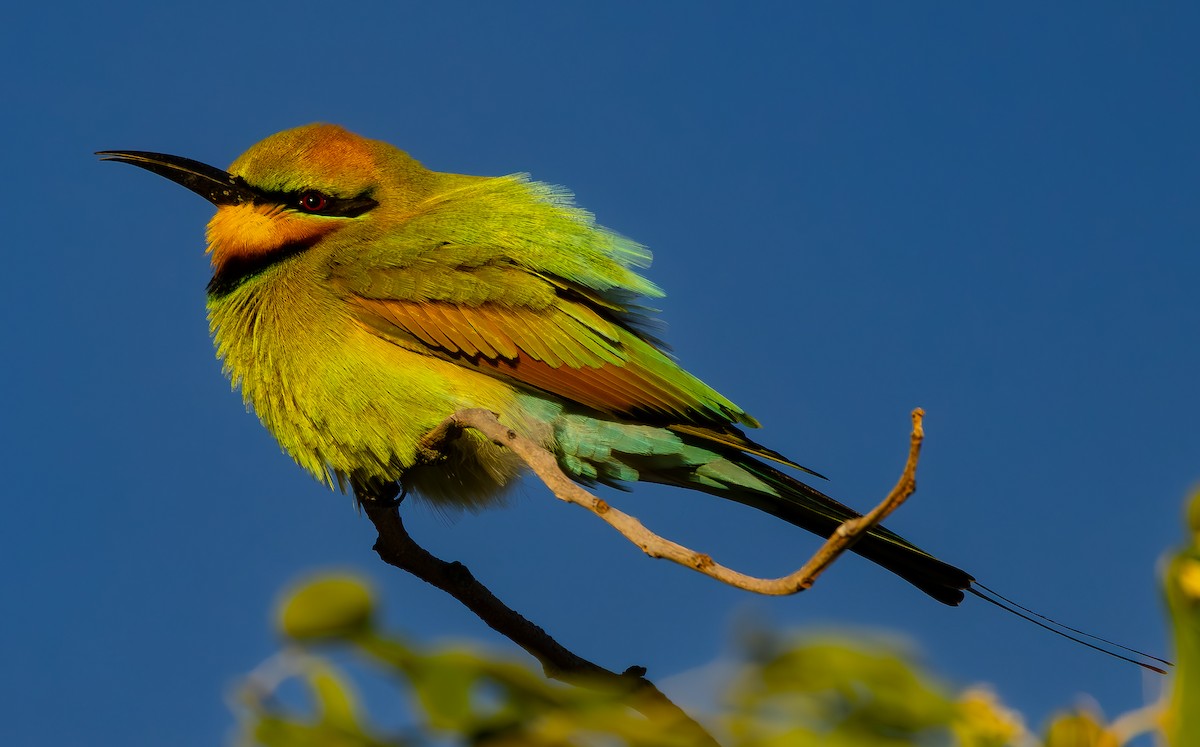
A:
[433,445]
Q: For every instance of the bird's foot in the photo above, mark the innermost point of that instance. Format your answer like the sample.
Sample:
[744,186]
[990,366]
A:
[379,495]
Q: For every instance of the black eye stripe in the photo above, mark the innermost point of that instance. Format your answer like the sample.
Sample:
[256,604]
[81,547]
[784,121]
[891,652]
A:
[315,202]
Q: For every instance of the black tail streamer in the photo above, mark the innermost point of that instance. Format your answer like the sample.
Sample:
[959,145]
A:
[1066,631]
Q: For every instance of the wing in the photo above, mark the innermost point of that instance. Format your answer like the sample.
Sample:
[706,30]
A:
[538,296]
[531,332]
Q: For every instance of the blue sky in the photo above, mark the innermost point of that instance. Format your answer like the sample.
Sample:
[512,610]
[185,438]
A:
[856,209]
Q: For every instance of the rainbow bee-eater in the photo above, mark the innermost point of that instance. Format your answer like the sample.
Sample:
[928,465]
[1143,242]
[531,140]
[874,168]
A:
[359,299]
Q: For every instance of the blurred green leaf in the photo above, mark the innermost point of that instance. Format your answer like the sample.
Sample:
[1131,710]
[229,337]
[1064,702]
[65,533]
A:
[444,683]
[1079,728]
[1182,586]
[335,722]
[845,692]
[327,607]
[983,721]
[335,701]
[787,691]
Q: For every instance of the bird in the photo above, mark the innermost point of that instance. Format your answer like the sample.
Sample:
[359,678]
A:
[359,299]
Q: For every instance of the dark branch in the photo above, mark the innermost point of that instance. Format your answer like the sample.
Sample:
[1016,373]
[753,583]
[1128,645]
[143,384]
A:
[395,547]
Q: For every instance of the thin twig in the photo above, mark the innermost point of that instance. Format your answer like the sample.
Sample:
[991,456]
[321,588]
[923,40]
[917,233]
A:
[397,548]
[545,466]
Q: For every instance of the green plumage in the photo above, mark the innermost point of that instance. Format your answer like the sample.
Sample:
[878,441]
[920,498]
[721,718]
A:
[360,299]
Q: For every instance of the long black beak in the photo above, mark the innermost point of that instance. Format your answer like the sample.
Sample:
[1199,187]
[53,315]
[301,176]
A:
[217,186]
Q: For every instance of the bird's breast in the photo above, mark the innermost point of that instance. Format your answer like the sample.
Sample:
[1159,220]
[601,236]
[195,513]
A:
[344,402]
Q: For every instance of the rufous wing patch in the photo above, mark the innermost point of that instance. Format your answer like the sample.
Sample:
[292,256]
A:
[575,354]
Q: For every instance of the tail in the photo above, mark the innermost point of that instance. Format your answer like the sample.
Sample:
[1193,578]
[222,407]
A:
[724,463]
[742,478]
[776,493]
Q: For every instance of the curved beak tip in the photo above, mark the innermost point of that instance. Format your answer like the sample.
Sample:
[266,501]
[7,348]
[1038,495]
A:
[215,185]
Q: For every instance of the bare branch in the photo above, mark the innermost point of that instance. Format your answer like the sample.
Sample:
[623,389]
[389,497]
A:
[397,548]
[545,466]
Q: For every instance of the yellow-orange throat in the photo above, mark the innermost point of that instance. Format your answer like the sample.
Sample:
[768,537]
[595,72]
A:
[250,230]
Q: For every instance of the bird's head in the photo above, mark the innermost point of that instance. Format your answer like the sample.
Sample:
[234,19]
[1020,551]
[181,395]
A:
[291,190]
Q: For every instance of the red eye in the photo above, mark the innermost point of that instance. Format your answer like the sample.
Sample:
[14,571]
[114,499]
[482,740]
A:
[314,202]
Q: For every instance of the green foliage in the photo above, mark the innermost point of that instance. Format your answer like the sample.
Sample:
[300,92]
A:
[783,691]
[843,693]
[1079,729]
[327,607]
[1182,585]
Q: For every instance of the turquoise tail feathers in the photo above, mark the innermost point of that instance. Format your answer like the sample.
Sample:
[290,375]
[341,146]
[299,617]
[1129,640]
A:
[611,452]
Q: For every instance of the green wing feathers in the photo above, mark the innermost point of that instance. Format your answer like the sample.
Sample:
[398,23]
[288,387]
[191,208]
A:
[525,287]
[478,222]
